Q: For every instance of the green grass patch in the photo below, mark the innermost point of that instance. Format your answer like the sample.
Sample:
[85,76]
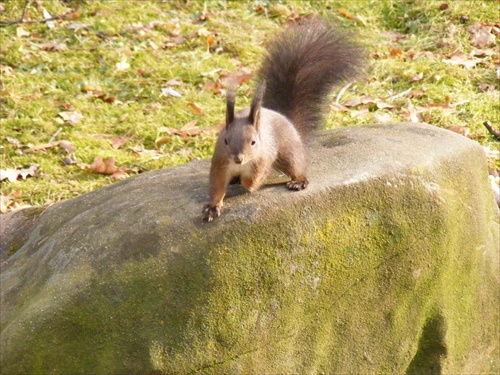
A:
[130,50]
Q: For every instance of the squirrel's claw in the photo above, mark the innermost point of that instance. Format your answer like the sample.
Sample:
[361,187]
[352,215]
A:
[210,212]
[297,185]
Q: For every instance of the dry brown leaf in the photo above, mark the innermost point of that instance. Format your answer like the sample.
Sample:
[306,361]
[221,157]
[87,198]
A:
[195,108]
[104,166]
[396,52]
[190,125]
[10,202]
[413,113]
[175,30]
[116,143]
[417,77]
[210,40]
[53,46]
[173,41]
[14,141]
[345,13]
[123,117]
[91,89]
[379,103]
[214,129]
[6,70]
[163,140]
[70,117]
[20,32]
[483,86]
[119,176]
[66,146]
[460,58]
[174,82]
[13,174]
[234,79]
[481,35]
[462,130]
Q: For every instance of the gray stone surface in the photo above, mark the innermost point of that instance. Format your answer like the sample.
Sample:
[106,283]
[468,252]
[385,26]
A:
[348,274]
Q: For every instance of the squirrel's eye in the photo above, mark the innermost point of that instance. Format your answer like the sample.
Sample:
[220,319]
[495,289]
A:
[253,142]
[225,141]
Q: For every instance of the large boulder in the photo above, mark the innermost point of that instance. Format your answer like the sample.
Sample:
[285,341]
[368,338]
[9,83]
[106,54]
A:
[387,263]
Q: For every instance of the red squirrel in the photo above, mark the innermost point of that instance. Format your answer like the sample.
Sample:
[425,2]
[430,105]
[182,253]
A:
[301,66]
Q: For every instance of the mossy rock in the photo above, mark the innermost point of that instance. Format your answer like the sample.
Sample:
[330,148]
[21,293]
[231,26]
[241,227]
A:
[387,263]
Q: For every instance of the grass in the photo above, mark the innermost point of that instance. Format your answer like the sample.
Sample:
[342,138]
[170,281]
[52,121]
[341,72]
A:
[404,39]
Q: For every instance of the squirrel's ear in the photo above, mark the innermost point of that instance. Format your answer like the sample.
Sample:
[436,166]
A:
[230,99]
[258,95]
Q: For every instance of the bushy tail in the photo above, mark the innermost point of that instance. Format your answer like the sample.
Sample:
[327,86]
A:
[302,65]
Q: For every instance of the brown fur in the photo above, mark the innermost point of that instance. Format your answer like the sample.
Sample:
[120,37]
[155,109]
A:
[302,65]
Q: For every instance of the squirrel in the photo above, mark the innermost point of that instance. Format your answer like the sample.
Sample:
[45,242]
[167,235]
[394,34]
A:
[301,66]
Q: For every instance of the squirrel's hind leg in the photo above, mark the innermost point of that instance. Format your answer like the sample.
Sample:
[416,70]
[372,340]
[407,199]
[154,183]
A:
[294,164]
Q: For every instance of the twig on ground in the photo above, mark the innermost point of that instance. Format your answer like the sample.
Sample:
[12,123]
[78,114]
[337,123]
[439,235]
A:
[25,9]
[493,132]
[341,92]
[55,135]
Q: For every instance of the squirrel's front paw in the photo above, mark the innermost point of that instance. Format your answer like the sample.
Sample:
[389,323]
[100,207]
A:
[297,185]
[210,212]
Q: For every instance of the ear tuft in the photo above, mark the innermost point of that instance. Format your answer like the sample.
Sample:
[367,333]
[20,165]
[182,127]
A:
[258,95]
[230,100]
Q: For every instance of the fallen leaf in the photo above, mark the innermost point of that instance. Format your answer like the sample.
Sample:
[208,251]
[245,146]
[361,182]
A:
[46,15]
[210,40]
[171,92]
[116,143]
[345,13]
[163,140]
[91,89]
[76,26]
[185,152]
[6,70]
[417,77]
[123,64]
[13,174]
[483,86]
[175,30]
[481,35]
[379,103]
[462,59]
[396,52]
[483,52]
[413,113]
[119,176]
[462,130]
[196,108]
[235,79]
[9,174]
[174,82]
[190,125]
[20,32]
[174,41]
[13,141]
[53,46]
[153,154]
[104,166]
[72,118]
[203,32]
[66,146]
[394,36]
[10,202]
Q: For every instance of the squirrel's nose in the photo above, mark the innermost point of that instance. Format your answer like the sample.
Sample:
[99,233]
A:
[238,159]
